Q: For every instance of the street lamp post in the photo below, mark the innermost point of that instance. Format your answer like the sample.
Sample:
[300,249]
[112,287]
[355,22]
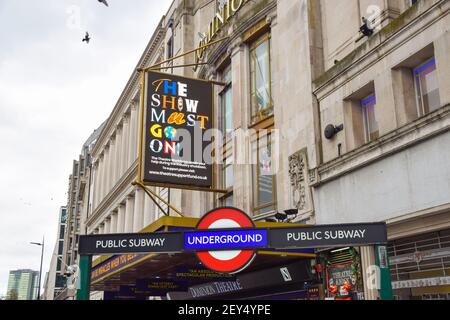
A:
[40,270]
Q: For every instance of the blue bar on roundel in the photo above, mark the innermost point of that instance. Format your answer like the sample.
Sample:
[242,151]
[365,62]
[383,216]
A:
[225,240]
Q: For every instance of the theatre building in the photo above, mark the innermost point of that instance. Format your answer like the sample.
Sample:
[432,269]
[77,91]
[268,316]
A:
[319,117]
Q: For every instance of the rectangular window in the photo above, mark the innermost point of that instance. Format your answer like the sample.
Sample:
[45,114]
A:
[227,200]
[427,88]
[260,80]
[170,48]
[263,177]
[63,216]
[227,174]
[227,127]
[226,102]
[60,281]
[371,128]
[61,232]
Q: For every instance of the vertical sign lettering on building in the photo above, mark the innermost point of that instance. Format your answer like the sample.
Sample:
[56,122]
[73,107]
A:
[178,113]
[227,10]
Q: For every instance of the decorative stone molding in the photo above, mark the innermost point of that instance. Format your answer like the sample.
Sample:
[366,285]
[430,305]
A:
[299,178]
[235,47]
[212,73]
[271,19]
[312,176]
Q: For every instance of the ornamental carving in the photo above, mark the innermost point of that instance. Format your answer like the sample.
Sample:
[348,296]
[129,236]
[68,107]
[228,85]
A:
[299,188]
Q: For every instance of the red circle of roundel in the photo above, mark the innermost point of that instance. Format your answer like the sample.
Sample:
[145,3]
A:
[244,258]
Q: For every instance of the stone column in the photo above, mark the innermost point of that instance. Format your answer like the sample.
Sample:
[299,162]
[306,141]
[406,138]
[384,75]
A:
[95,193]
[129,214]
[137,129]
[118,165]
[240,120]
[138,222]
[113,227]
[107,164]
[120,219]
[441,49]
[112,163]
[97,184]
[110,167]
[369,273]
[149,208]
[132,150]
[101,229]
[125,143]
[101,176]
[107,229]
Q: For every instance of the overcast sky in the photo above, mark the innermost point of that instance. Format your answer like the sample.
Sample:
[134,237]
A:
[54,91]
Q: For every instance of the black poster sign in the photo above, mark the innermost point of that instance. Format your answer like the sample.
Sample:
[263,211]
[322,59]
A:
[131,243]
[322,236]
[273,277]
[178,117]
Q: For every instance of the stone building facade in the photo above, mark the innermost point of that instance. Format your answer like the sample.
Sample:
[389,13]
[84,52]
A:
[391,92]
[292,70]
[75,213]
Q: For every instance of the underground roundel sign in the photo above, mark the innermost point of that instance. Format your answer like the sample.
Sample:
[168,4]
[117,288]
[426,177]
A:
[223,261]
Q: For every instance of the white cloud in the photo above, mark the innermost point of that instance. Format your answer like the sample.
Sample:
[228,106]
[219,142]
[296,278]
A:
[54,91]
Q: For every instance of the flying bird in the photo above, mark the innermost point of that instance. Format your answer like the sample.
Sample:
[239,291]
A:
[104,2]
[86,38]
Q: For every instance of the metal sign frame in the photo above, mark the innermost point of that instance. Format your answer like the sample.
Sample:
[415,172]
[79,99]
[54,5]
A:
[142,142]
[139,181]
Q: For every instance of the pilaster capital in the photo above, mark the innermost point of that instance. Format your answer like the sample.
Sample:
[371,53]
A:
[271,19]
[133,105]
[235,47]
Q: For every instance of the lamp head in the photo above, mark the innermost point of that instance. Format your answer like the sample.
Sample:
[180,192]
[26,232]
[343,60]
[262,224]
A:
[331,130]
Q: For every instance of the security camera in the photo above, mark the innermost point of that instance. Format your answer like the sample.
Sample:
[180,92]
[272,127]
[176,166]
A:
[291,212]
[281,216]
